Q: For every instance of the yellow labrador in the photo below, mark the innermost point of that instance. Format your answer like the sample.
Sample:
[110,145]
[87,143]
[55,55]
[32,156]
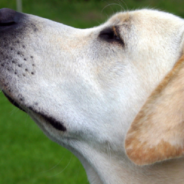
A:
[113,94]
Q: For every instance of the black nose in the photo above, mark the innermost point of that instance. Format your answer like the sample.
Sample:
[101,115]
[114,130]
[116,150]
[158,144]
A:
[8,18]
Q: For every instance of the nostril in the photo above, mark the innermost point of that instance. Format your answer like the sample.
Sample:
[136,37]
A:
[7,23]
[8,17]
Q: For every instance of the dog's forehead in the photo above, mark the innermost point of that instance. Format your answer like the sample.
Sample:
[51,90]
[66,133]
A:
[120,18]
[145,17]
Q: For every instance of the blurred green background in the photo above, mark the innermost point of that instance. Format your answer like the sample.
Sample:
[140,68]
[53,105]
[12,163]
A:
[27,156]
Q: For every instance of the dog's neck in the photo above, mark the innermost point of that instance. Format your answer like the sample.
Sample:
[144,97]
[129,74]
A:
[114,167]
[168,172]
[122,171]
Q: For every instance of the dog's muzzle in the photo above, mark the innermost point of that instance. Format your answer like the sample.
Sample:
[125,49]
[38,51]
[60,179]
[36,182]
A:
[18,65]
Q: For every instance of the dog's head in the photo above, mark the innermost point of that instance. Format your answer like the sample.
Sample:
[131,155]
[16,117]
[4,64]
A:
[85,87]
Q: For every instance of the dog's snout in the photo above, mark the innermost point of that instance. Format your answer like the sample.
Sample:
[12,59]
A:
[9,18]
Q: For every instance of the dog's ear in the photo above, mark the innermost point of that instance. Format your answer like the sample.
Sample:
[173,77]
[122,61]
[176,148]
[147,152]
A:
[157,133]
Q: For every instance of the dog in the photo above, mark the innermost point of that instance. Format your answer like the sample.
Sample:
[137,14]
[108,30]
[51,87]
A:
[112,94]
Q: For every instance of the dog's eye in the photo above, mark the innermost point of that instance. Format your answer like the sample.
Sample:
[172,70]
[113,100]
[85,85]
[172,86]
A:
[111,35]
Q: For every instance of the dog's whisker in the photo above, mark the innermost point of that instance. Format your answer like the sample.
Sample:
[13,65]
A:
[52,168]
[69,162]
[111,4]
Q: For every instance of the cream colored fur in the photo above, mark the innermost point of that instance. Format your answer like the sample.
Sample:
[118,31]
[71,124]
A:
[95,87]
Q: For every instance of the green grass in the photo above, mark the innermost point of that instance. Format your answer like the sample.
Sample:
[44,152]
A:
[27,156]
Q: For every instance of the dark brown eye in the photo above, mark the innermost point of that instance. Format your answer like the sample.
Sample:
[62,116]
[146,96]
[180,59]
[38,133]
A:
[111,34]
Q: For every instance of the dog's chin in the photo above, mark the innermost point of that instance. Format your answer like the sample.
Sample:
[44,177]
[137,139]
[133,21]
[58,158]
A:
[41,115]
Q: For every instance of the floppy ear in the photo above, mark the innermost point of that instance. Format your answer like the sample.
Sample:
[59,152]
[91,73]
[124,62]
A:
[157,133]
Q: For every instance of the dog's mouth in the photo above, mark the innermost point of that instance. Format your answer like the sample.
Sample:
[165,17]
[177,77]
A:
[49,119]
[41,115]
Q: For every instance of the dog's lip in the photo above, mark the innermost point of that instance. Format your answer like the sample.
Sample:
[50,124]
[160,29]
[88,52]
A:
[43,116]
[11,100]
[49,119]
